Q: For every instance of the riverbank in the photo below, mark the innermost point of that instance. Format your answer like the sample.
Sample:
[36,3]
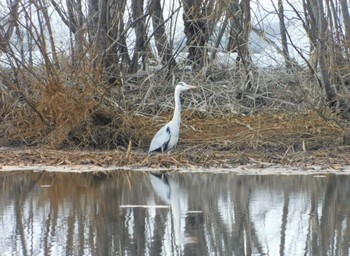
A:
[33,160]
[260,140]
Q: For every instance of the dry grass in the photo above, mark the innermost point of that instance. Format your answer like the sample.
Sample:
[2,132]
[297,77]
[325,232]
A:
[257,139]
[273,122]
[273,132]
[70,109]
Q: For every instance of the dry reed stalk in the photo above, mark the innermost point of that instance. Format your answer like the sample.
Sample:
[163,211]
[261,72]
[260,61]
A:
[84,113]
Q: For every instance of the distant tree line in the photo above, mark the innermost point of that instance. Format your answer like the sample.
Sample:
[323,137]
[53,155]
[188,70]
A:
[100,33]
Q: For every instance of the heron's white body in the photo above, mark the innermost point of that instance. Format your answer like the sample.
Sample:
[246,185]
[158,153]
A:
[167,137]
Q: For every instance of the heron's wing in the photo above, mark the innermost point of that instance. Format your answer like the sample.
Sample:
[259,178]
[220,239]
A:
[160,140]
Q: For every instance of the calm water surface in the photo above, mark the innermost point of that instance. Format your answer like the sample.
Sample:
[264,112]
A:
[133,213]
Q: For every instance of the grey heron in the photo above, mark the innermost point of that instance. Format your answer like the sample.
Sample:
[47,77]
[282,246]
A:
[167,137]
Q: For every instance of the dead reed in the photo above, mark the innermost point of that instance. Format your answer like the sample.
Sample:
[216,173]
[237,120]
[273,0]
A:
[78,108]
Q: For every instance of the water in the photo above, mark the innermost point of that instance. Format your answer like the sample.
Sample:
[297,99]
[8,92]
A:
[134,213]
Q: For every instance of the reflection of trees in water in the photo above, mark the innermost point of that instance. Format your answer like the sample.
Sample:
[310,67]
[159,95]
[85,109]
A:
[229,228]
[333,230]
[80,213]
[328,224]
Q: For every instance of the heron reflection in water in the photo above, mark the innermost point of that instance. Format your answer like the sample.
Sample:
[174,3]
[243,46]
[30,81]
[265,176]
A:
[167,188]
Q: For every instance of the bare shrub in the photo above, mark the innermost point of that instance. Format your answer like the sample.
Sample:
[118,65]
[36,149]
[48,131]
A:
[71,109]
[92,93]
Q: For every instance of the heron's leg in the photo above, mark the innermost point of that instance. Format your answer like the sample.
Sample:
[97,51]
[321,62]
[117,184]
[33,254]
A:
[170,151]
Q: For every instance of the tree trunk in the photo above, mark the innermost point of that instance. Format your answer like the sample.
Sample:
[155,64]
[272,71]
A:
[346,18]
[310,26]
[93,10]
[6,33]
[162,44]
[283,35]
[239,37]
[50,34]
[244,37]
[75,24]
[310,12]
[321,50]
[97,28]
[122,46]
[197,31]
[235,21]
[140,30]
[113,51]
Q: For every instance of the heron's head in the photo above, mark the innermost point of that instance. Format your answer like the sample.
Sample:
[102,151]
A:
[182,86]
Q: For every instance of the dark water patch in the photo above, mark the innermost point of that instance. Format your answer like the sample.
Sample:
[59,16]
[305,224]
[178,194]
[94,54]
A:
[128,213]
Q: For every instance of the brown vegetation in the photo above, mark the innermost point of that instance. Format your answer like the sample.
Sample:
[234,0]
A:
[97,97]
[281,137]
[221,127]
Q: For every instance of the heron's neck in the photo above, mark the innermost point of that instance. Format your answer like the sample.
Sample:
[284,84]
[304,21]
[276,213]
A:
[177,111]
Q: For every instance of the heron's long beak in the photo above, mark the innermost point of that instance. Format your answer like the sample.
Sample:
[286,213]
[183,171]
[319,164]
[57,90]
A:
[191,86]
